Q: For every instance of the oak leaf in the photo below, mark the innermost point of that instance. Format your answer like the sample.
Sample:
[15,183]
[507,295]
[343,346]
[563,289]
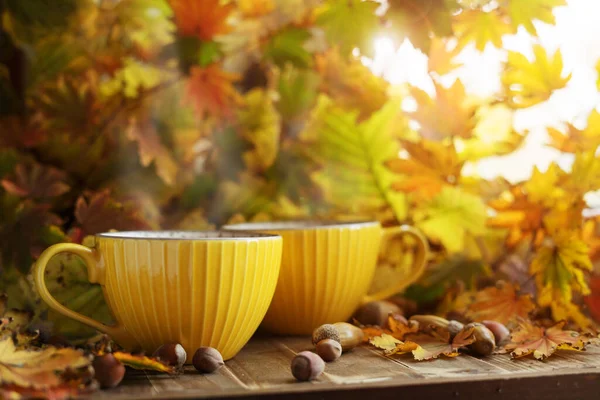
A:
[36,182]
[210,90]
[429,167]
[527,83]
[481,27]
[450,216]
[99,212]
[543,342]
[448,113]
[501,303]
[524,12]
[201,18]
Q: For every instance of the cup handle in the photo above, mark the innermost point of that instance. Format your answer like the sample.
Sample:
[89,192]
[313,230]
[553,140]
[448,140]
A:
[418,266]
[95,275]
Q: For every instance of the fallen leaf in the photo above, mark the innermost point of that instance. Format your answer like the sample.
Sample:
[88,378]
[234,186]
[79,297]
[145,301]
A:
[527,83]
[450,216]
[201,18]
[385,342]
[436,343]
[142,362]
[501,303]
[210,90]
[543,342]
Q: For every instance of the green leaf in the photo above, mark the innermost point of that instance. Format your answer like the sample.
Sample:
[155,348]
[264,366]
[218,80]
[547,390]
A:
[450,216]
[354,177]
[287,46]
[297,91]
[349,24]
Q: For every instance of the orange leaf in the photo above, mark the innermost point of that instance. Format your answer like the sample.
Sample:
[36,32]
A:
[210,90]
[437,342]
[143,362]
[501,303]
[201,18]
[399,329]
[543,342]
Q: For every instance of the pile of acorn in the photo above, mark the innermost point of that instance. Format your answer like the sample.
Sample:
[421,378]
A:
[109,372]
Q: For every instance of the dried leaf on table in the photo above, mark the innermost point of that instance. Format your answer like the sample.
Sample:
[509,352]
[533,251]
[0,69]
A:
[543,342]
[502,303]
[143,362]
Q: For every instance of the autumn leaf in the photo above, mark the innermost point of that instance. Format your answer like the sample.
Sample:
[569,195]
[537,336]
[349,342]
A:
[543,342]
[288,46]
[501,303]
[386,342]
[442,56]
[132,79]
[36,182]
[354,177]
[430,167]
[585,173]
[527,83]
[37,369]
[210,90]
[255,8]
[543,187]
[447,114]
[396,328]
[559,268]
[351,84]
[576,140]
[481,27]
[450,216]
[99,212]
[260,125]
[524,12]
[142,362]
[335,17]
[142,130]
[201,18]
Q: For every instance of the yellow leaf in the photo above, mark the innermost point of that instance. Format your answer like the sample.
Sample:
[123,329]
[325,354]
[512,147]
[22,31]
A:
[260,125]
[543,187]
[255,8]
[577,140]
[527,83]
[524,12]
[353,175]
[442,56]
[447,114]
[385,342]
[450,216]
[559,267]
[481,28]
[585,173]
[142,362]
[131,79]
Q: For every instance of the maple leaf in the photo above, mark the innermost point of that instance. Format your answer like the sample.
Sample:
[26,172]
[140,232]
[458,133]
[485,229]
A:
[501,303]
[430,166]
[336,16]
[132,79]
[351,84]
[450,216]
[210,90]
[141,129]
[419,20]
[396,328]
[98,212]
[447,114]
[543,187]
[585,173]
[36,182]
[297,92]
[577,140]
[524,12]
[201,18]
[37,369]
[261,126]
[255,8]
[441,57]
[142,362]
[481,28]
[354,177]
[527,83]
[543,342]
[288,46]
[559,267]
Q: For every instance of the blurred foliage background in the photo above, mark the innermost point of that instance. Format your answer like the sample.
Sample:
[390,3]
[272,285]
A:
[188,114]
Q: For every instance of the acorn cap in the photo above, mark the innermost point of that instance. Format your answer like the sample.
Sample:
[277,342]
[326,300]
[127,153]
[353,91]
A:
[326,331]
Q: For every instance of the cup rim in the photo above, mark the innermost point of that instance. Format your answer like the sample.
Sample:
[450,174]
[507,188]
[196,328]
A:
[187,235]
[297,225]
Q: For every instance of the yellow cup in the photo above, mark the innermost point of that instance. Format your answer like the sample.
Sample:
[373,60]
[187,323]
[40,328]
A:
[193,288]
[327,269]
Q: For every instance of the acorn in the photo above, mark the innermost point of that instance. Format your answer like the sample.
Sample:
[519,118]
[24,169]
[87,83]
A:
[376,313]
[426,321]
[207,359]
[485,342]
[350,336]
[500,331]
[307,366]
[329,350]
[108,371]
[172,354]
[454,327]
[327,331]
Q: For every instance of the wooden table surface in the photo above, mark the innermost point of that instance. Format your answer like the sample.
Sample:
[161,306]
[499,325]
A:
[262,370]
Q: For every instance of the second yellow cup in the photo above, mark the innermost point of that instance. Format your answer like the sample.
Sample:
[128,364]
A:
[327,269]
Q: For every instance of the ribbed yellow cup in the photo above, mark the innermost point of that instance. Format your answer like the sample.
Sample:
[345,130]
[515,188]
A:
[196,289]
